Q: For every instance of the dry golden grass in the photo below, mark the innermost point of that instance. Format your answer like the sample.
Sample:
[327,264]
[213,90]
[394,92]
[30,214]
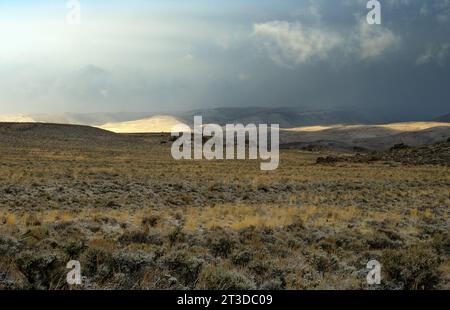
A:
[106,193]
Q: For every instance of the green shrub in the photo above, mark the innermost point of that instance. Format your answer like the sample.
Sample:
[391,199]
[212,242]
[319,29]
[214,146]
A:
[73,247]
[10,276]
[97,262]
[185,266]
[43,270]
[242,258]
[221,243]
[148,237]
[132,261]
[415,268]
[218,278]
[441,243]
[272,285]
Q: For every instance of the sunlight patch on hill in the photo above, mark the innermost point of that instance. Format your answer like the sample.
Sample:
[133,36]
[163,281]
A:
[160,123]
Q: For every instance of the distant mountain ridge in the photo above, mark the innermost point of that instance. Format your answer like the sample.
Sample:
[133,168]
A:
[443,118]
[286,117]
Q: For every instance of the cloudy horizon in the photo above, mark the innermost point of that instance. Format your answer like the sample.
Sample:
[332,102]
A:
[170,55]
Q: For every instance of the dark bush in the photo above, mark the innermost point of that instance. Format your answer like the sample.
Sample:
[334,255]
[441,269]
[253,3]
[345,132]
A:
[221,242]
[326,160]
[441,243]
[150,237]
[382,242]
[241,258]
[10,276]
[218,278]
[74,247]
[323,262]
[151,220]
[97,262]
[399,146]
[8,246]
[130,262]
[43,270]
[185,266]
[272,285]
[414,268]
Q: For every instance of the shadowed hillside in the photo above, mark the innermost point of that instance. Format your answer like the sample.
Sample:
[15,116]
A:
[40,135]
[371,137]
[434,154]
[285,117]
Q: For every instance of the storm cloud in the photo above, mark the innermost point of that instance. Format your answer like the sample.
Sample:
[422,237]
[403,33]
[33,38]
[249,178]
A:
[165,56]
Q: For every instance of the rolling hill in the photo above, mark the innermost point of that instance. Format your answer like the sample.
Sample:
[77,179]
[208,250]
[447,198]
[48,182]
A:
[41,135]
[159,123]
[285,117]
[365,136]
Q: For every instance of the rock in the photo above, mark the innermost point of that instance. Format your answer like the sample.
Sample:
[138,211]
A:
[327,160]
[400,146]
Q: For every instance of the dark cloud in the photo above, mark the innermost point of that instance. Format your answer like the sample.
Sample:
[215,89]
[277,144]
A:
[313,54]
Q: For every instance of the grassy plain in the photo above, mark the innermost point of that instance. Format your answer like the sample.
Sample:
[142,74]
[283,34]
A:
[135,218]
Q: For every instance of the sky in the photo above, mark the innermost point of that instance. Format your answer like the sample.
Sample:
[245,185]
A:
[168,55]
